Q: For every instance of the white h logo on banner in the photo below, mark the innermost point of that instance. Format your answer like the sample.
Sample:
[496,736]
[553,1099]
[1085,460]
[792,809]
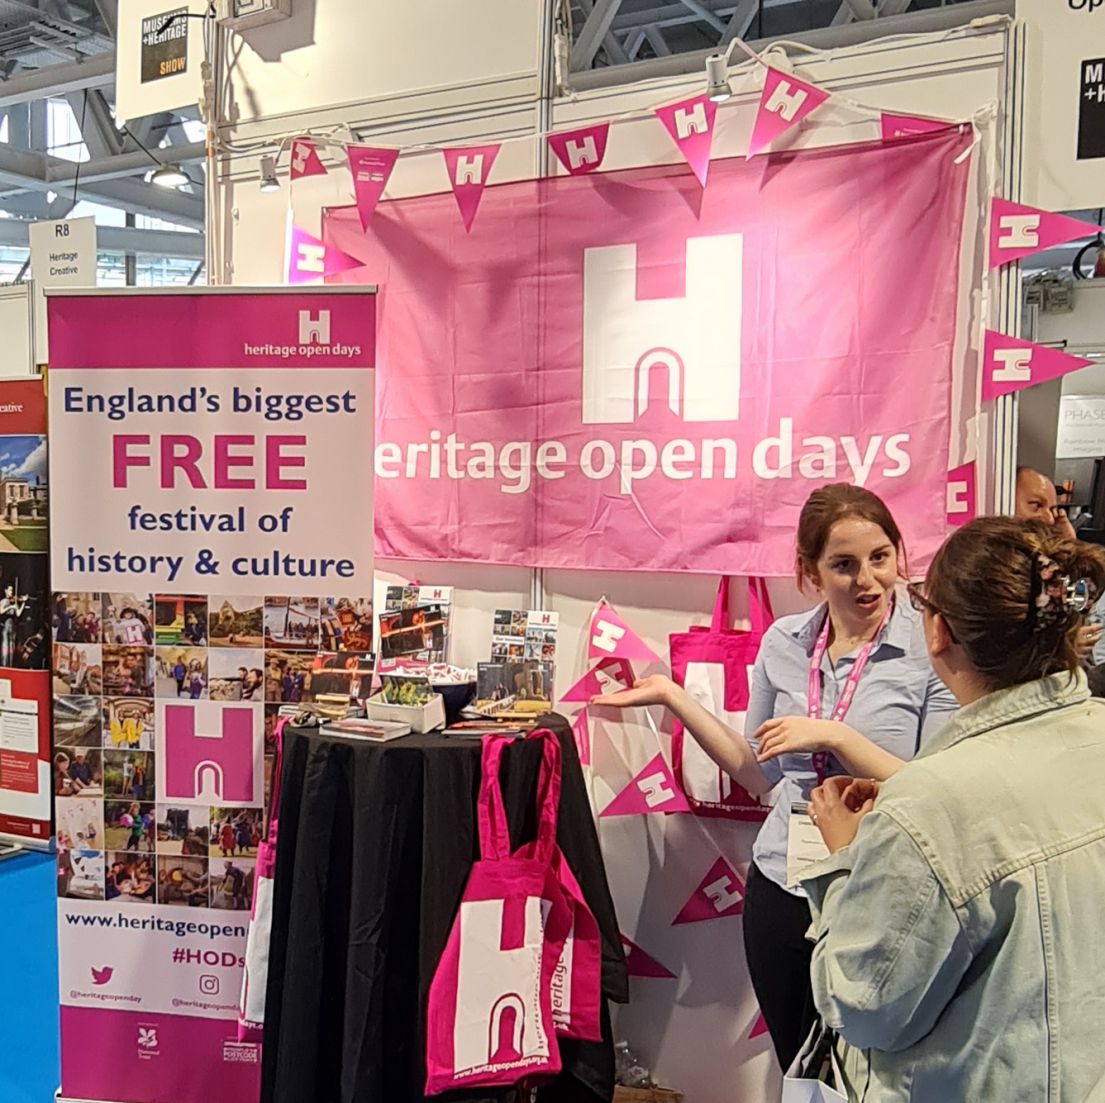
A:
[1016,366]
[1019,231]
[722,895]
[312,258]
[607,636]
[691,122]
[300,156]
[625,339]
[956,501]
[655,790]
[469,170]
[581,153]
[312,330]
[786,100]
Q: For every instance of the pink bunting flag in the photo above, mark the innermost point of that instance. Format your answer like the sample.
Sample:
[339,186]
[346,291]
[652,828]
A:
[311,259]
[608,676]
[1017,231]
[305,159]
[784,103]
[721,893]
[640,964]
[582,732]
[1010,364]
[691,126]
[962,494]
[611,636]
[371,168]
[905,126]
[582,150]
[759,1028]
[652,790]
[468,170]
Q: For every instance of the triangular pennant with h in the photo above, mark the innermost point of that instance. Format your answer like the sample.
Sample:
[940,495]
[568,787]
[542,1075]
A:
[640,964]
[759,1027]
[580,151]
[311,259]
[652,790]
[720,893]
[1017,231]
[691,126]
[607,676]
[611,636]
[468,170]
[784,103]
[305,159]
[1010,364]
[905,126]
[371,168]
[962,491]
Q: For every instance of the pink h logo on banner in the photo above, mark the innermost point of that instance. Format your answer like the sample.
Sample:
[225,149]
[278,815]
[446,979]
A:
[903,126]
[652,790]
[581,151]
[784,102]
[610,635]
[627,339]
[962,494]
[311,259]
[1017,231]
[691,126]
[720,893]
[371,169]
[305,159]
[199,765]
[1010,364]
[468,170]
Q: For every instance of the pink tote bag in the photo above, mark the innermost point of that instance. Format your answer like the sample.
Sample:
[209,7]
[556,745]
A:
[255,977]
[712,665]
[489,1017]
[577,980]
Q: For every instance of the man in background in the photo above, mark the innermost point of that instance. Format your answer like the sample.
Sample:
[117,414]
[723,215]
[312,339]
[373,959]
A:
[1037,500]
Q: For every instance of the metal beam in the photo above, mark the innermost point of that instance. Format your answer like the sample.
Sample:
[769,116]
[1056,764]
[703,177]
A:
[99,132]
[704,14]
[109,13]
[594,29]
[60,173]
[57,80]
[119,239]
[149,199]
[670,15]
[740,21]
[657,41]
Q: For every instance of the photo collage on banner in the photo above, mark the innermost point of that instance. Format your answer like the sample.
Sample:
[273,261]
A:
[140,820]
[24,614]
[212,578]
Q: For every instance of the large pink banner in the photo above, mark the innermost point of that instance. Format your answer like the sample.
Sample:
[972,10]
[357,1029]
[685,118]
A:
[625,371]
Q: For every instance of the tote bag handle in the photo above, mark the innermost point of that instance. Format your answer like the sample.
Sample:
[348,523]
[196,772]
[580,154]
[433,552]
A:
[759,606]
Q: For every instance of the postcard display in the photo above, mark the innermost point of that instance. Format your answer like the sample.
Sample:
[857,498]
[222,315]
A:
[24,616]
[205,550]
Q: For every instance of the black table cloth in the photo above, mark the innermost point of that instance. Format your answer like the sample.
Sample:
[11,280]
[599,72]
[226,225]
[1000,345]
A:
[376,841]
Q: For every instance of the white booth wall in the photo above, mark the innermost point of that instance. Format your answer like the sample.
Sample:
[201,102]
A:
[693,1031]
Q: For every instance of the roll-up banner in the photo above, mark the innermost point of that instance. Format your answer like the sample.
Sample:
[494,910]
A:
[211,512]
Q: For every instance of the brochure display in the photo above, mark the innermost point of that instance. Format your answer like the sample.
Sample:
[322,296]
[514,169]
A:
[205,534]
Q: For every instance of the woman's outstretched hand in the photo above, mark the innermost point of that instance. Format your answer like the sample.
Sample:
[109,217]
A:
[656,689]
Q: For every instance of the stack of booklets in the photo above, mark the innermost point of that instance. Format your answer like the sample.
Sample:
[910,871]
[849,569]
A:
[378,731]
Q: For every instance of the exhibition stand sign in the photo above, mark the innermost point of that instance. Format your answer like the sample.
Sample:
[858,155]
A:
[25,801]
[208,521]
[628,371]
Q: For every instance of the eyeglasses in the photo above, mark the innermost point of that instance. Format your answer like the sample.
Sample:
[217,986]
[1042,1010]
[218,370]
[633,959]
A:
[917,599]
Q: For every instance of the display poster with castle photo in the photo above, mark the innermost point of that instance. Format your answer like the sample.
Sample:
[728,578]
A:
[204,552]
[24,616]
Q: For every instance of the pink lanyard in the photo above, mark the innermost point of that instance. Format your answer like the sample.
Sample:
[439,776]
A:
[847,694]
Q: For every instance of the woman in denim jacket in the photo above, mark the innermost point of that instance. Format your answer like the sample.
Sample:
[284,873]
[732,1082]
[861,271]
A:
[958,948]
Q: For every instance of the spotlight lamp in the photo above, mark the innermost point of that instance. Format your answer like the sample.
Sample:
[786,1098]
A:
[717,78]
[269,182]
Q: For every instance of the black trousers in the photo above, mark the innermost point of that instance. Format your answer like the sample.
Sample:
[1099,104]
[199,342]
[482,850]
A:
[778,953]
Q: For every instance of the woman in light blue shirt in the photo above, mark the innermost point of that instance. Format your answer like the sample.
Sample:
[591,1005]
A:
[860,657]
